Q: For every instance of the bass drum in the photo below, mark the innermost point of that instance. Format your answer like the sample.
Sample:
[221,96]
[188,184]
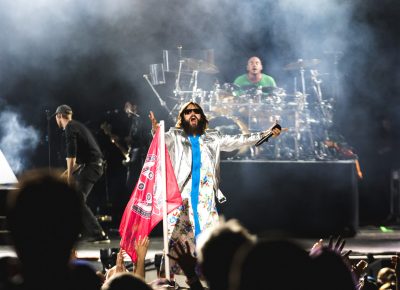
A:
[230,126]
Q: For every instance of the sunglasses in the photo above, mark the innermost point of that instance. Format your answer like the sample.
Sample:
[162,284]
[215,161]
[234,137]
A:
[188,111]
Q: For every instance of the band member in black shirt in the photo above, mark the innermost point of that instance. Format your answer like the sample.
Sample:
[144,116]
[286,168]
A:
[84,167]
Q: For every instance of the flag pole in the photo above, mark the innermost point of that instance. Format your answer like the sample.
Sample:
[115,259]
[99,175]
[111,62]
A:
[164,198]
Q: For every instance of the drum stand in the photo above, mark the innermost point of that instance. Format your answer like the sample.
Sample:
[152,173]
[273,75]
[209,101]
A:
[336,56]
[297,135]
[302,120]
[297,120]
[303,82]
[322,150]
[178,77]
[309,148]
[193,81]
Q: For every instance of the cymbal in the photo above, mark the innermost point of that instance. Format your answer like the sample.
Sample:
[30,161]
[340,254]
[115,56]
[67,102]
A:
[302,63]
[200,65]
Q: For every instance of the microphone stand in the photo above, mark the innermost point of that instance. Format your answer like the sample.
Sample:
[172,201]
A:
[162,102]
[194,82]
[178,77]
[48,117]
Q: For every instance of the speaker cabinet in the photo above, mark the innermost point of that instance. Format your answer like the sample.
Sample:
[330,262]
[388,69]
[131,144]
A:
[300,199]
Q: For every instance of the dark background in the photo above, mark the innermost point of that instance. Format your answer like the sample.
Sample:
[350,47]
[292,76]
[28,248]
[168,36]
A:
[92,55]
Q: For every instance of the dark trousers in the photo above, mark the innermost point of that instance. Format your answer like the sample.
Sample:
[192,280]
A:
[85,178]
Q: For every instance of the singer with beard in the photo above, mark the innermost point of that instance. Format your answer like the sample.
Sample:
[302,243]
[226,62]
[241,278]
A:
[195,155]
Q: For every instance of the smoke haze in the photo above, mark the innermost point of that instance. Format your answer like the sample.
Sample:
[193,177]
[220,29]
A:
[18,141]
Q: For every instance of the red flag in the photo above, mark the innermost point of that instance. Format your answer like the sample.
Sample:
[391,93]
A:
[144,209]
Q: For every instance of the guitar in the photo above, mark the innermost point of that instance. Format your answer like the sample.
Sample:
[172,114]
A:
[106,127]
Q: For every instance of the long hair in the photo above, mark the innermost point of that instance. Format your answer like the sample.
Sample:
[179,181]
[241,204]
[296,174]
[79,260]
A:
[180,124]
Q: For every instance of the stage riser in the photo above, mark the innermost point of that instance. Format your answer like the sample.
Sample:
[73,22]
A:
[310,199]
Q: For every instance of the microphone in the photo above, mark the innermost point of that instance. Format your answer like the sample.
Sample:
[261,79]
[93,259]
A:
[268,135]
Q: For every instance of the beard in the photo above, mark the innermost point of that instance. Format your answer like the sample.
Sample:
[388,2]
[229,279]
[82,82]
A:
[190,129]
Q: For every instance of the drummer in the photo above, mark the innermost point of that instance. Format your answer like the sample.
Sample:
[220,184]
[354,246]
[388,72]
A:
[254,78]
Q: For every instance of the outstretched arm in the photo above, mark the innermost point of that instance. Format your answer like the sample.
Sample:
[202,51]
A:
[234,142]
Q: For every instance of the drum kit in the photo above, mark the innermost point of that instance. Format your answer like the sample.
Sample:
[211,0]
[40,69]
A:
[233,110]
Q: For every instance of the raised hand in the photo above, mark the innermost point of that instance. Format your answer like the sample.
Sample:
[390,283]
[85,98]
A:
[336,247]
[186,260]
[339,245]
[141,246]
[119,264]
[154,124]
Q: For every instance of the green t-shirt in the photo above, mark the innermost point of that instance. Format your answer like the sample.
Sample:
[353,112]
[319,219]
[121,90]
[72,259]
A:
[266,81]
[244,82]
